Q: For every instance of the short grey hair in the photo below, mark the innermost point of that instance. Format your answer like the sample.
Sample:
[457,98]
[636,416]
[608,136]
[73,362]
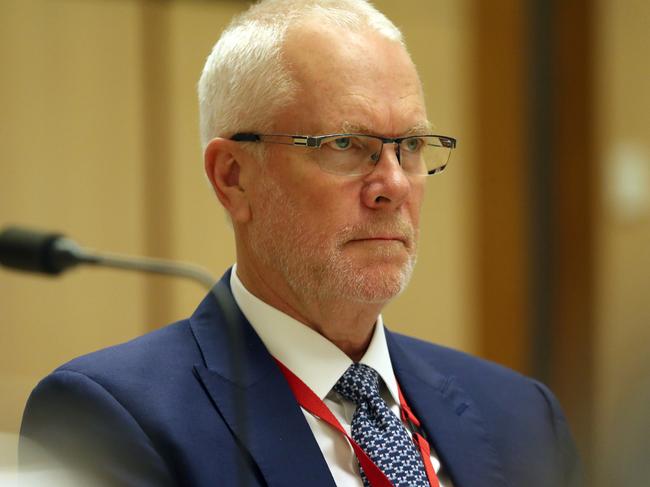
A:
[245,82]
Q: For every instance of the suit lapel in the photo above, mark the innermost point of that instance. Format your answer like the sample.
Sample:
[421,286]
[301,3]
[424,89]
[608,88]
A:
[451,420]
[252,395]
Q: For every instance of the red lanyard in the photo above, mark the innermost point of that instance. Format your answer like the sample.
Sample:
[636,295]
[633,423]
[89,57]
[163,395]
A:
[313,404]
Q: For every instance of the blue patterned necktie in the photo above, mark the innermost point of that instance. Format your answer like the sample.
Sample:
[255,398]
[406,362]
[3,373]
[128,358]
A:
[378,431]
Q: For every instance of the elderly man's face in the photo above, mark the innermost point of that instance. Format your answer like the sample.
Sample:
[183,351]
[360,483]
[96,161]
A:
[335,236]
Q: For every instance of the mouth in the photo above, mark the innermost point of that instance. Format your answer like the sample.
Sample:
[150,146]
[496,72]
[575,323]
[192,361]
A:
[381,234]
[382,239]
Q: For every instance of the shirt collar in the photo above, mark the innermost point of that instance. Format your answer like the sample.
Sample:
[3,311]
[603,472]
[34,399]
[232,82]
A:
[309,355]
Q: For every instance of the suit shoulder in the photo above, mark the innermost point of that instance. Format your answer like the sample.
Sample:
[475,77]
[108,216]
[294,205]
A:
[452,362]
[482,378]
[154,369]
[514,408]
[154,353]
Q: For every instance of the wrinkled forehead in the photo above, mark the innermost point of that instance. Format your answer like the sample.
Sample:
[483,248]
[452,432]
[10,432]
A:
[354,77]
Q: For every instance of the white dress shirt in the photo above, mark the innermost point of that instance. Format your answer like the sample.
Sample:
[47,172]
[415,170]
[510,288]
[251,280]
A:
[320,364]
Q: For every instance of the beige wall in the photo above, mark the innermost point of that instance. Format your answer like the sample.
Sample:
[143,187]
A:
[623,244]
[100,141]
[71,141]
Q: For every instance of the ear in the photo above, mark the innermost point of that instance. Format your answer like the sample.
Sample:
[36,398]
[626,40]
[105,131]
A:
[223,161]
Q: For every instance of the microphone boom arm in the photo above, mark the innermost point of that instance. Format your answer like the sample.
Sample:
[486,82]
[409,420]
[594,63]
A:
[151,265]
[52,253]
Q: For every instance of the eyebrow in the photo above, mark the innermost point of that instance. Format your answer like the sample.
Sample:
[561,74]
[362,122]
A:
[356,128]
[421,128]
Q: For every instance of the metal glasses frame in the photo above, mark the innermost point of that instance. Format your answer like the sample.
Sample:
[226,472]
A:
[314,141]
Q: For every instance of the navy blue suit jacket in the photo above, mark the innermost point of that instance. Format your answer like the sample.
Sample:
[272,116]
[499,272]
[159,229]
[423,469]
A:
[173,408]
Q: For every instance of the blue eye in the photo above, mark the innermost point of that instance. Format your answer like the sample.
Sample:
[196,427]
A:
[413,145]
[342,143]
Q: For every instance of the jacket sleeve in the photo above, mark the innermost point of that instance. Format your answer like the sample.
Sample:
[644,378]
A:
[74,429]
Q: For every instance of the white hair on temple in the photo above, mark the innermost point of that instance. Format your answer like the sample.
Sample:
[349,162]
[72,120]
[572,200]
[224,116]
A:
[244,81]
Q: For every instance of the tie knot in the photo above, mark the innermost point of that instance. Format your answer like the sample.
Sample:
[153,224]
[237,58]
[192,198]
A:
[359,384]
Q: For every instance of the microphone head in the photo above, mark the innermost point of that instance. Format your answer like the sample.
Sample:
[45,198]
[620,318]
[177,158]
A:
[32,250]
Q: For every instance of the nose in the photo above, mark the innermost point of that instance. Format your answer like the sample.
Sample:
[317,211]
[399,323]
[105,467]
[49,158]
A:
[387,186]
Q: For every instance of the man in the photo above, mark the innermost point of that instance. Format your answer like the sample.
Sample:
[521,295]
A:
[287,363]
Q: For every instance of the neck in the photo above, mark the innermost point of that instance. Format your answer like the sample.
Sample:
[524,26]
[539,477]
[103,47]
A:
[347,324]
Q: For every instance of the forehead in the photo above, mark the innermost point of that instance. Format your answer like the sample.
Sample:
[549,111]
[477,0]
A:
[350,78]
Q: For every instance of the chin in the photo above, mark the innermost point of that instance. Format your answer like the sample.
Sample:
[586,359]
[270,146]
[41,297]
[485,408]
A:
[375,283]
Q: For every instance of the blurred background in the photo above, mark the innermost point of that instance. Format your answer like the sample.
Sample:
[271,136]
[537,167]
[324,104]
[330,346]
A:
[535,242]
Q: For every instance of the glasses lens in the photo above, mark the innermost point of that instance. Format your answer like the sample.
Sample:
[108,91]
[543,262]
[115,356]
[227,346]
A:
[426,154]
[354,155]
[349,154]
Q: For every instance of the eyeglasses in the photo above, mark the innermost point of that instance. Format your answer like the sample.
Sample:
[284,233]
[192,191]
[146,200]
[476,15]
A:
[357,154]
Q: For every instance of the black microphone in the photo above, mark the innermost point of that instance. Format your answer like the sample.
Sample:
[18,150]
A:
[52,253]
[30,250]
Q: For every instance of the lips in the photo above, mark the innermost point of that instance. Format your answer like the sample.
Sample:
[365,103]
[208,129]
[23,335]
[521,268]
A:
[382,238]
[385,239]
[398,230]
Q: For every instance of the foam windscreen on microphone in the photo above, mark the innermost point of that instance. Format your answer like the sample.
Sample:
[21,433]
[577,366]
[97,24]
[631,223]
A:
[31,250]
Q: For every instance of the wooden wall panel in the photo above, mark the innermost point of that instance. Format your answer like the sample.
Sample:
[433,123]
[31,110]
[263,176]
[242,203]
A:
[502,206]
[573,327]
[536,201]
